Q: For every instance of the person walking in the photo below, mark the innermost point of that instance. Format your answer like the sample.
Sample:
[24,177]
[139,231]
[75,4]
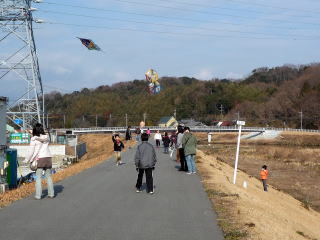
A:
[173,143]
[173,139]
[157,138]
[39,151]
[189,144]
[264,176]
[117,147]
[183,164]
[145,161]
[128,133]
[138,132]
[148,132]
[166,142]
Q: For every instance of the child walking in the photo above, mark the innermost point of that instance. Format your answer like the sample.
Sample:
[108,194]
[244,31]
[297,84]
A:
[158,138]
[264,176]
[117,147]
[166,142]
[145,161]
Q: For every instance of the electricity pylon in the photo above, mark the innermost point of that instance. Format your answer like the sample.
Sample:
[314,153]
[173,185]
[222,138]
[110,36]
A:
[18,60]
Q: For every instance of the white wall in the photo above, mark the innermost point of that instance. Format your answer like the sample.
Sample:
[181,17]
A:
[56,150]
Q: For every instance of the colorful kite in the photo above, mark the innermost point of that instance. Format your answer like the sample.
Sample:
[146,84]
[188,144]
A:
[153,79]
[88,43]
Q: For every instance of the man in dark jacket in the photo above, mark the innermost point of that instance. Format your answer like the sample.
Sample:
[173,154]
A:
[128,133]
[145,160]
[184,166]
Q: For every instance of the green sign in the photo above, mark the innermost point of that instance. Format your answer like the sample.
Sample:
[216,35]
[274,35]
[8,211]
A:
[18,138]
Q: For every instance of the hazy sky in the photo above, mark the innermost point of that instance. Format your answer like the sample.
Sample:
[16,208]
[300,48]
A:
[196,38]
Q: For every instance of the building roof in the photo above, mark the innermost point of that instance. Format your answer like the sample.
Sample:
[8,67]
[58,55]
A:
[164,120]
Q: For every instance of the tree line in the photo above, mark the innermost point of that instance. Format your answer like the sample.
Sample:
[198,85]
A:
[278,97]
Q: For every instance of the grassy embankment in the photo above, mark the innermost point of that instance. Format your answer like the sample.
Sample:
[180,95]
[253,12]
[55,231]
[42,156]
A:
[251,213]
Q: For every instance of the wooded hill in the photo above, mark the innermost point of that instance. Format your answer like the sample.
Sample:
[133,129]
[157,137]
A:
[267,97]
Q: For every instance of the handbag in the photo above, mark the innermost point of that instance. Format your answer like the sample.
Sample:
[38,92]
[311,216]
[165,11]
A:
[34,165]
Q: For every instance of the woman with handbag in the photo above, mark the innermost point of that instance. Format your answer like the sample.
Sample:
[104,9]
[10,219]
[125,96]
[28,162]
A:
[40,160]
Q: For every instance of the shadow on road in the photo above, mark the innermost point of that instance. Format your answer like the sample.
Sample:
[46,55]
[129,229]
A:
[57,190]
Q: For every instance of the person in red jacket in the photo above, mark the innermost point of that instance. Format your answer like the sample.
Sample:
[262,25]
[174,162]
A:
[117,146]
[264,176]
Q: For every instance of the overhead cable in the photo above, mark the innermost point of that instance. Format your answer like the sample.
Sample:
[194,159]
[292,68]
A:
[173,33]
[176,26]
[169,17]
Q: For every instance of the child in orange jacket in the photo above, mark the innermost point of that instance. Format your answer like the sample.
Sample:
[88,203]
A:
[264,176]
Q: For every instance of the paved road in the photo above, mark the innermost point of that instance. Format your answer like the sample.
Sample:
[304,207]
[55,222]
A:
[101,203]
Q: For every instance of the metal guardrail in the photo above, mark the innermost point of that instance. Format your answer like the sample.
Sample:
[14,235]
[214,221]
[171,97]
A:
[194,129]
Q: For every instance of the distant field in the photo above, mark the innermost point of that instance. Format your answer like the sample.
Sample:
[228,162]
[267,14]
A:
[292,158]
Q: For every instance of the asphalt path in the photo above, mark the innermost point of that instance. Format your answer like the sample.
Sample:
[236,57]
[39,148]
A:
[101,203]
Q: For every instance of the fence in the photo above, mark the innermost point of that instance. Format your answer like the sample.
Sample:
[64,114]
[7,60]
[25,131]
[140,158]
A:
[193,128]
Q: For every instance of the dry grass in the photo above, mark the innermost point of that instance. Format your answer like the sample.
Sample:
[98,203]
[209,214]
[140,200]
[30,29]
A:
[99,148]
[224,203]
[252,213]
[294,168]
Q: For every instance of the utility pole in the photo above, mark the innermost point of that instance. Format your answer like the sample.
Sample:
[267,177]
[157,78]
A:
[238,114]
[48,120]
[126,120]
[64,121]
[96,120]
[144,117]
[301,115]
[221,111]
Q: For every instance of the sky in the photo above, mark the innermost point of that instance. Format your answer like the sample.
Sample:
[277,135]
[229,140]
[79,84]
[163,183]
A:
[197,38]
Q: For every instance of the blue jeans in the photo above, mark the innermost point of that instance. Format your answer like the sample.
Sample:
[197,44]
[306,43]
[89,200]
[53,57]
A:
[191,163]
[138,137]
[49,182]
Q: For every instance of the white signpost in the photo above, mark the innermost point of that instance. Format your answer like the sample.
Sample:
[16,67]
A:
[240,124]
[209,138]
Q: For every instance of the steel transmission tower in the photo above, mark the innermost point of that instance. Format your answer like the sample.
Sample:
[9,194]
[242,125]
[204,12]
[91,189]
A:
[19,61]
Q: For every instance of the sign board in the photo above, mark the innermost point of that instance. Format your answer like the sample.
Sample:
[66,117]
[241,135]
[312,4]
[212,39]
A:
[241,123]
[18,121]
[19,138]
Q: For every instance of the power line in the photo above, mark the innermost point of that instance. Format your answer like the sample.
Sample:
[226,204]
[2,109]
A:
[171,33]
[177,26]
[208,13]
[265,5]
[226,8]
[166,17]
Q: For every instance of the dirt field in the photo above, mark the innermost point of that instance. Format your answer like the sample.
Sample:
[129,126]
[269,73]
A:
[99,148]
[292,159]
[251,213]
